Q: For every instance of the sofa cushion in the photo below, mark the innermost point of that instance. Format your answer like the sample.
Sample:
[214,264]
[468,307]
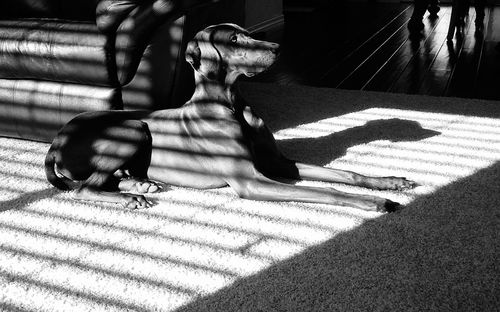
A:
[37,109]
[56,51]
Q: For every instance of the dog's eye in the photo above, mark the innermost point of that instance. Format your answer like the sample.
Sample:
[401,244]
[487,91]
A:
[234,39]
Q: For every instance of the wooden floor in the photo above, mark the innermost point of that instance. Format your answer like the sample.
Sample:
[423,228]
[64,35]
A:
[366,46]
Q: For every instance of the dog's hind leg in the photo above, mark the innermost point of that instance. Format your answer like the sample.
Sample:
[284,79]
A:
[102,186]
[134,178]
[118,147]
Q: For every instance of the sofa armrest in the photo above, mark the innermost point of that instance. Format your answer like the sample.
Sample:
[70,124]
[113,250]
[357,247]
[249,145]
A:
[132,24]
[111,13]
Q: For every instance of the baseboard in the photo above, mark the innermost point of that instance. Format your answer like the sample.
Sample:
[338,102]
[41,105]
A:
[267,24]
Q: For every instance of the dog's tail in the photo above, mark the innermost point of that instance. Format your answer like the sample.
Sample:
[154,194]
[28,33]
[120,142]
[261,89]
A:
[62,182]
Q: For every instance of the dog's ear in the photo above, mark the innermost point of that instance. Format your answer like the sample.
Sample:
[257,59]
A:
[203,56]
[193,54]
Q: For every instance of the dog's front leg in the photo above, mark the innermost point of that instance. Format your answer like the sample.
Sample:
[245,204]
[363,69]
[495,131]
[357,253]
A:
[318,173]
[262,188]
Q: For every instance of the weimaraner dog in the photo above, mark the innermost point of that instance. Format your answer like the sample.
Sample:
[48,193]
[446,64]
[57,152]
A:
[214,140]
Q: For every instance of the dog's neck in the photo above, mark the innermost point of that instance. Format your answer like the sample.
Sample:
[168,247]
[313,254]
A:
[221,92]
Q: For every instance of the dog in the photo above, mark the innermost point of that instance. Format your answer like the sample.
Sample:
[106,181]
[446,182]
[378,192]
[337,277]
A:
[214,140]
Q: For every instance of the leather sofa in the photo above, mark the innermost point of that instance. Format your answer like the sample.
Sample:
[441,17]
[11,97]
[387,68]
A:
[59,58]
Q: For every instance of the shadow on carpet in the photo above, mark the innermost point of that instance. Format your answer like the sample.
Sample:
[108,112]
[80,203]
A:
[26,198]
[321,150]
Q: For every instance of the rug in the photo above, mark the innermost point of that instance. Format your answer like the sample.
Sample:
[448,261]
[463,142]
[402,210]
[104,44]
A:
[211,251]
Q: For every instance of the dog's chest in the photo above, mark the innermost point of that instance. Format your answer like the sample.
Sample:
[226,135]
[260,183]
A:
[194,128]
[194,141]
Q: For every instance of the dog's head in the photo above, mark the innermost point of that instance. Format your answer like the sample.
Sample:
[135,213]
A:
[226,51]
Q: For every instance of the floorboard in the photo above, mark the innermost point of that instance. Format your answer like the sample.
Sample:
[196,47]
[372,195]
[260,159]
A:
[412,77]
[463,81]
[353,61]
[366,46]
[488,79]
[406,61]
[378,59]
[437,77]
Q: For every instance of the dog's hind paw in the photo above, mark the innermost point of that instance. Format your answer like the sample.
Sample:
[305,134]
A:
[404,184]
[147,187]
[394,183]
[133,185]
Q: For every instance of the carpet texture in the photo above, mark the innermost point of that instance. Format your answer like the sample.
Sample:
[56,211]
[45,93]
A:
[211,251]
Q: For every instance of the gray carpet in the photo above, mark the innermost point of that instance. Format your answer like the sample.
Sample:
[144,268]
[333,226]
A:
[210,251]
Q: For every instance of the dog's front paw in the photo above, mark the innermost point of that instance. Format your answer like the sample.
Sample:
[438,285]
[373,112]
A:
[395,183]
[389,206]
[378,204]
[136,202]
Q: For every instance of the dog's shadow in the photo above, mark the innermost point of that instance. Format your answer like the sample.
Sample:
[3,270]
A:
[322,150]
